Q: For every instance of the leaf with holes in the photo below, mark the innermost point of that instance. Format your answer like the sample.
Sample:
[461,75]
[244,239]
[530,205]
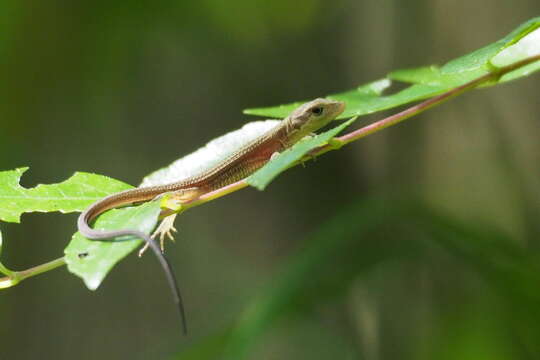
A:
[92,260]
[72,195]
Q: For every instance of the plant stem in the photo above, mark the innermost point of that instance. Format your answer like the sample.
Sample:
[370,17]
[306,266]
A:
[16,277]
[377,126]
[423,106]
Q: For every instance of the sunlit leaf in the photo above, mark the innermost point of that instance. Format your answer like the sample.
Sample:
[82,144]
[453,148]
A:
[74,194]
[91,260]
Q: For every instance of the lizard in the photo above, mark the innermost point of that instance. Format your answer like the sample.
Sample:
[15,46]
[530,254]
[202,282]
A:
[302,122]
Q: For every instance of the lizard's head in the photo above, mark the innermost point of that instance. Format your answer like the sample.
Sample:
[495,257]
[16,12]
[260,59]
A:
[315,114]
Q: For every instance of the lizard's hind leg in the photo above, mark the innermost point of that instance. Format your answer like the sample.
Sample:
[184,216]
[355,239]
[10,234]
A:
[164,230]
[171,205]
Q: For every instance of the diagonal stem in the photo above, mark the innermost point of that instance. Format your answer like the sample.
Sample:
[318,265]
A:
[377,126]
[423,106]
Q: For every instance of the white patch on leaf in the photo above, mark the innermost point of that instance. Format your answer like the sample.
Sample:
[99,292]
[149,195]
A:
[209,155]
[527,46]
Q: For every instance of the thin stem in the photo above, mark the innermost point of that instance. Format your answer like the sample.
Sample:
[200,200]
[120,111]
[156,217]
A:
[423,106]
[377,126]
[5,270]
[16,277]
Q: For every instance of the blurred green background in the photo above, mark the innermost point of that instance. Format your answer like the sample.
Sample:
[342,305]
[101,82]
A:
[420,242]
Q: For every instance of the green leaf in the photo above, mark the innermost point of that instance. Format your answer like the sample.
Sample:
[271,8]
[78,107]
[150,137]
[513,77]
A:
[74,194]
[432,76]
[367,93]
[283,161]
[427,75]
[360,102]
[426,82]
[479,58]
[521,72]
[92,260]
[527,46]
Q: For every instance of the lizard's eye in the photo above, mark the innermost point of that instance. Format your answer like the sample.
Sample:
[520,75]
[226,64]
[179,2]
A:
[317,110]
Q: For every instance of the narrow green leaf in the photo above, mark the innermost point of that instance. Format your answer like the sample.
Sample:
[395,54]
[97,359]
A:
[362,103]
[479,58]
[427,75]
[527,46]
[426,82]
[273,168]
[74,194]
[432,76]
[521,72]
[92,260]
[367,93]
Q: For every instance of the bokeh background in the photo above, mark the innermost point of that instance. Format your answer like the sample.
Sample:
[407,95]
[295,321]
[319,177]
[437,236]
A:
[420,242]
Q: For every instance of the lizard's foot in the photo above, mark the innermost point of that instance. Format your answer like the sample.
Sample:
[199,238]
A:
[171,205]
[165,229]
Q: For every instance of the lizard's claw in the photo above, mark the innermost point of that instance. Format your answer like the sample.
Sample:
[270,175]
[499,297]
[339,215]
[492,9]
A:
[163,234]
[164,230]
[168,233]
[143,249]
